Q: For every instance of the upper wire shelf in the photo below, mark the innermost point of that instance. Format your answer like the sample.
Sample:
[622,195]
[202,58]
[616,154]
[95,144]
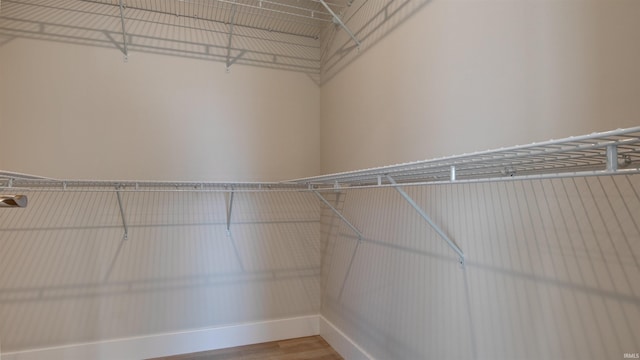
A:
[610,152]
[296,17]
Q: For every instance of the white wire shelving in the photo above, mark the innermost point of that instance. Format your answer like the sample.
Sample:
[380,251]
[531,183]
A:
[281,34]
[605,153]
[295,17]
[315,37]
[18,181]
[608,153]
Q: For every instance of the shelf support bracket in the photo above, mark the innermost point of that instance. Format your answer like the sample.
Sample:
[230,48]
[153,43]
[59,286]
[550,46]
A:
[335,211]
[355,230]
[612,158]
[236,58]
[426,217]
[233,17]
[124,32]
[339,22]
[229,209]
[124,220]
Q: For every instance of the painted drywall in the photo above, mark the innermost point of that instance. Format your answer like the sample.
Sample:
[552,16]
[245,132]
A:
[551,266]
[78,111]
[464,76]
[551,270]
[67,276]
[3,39]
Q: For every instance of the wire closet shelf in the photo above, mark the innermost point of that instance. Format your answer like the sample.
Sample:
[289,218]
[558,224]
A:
[19,181]
[606,153]
[295,17]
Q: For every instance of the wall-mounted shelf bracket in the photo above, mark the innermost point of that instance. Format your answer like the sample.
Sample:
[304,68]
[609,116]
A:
[124,220]
[339,214]
[426,217]
[125,50]
[233,17]
[612,158]
[229,209]
[231,61]
[338,21]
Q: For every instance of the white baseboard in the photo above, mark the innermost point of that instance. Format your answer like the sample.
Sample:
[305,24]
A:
[177,343]
[340,342]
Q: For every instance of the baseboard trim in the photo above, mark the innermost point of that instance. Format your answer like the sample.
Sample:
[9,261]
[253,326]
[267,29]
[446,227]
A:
[178,342]
[341,343]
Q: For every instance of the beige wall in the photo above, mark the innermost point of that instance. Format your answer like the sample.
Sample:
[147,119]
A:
[463,76]
[81,112]
[67,276]
[551,266]
[551,270]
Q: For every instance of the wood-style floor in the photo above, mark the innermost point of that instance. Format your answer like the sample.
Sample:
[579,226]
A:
[306,348]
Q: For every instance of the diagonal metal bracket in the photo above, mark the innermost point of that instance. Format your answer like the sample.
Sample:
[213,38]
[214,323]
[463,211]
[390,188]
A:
[124,220]
[335,211]
[125,50]
[233,17]
[236,58]
[426,217]
[229,209]
[337,19]
[8,40]
[355,250]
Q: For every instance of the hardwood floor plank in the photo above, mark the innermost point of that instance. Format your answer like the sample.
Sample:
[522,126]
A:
[306,348]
